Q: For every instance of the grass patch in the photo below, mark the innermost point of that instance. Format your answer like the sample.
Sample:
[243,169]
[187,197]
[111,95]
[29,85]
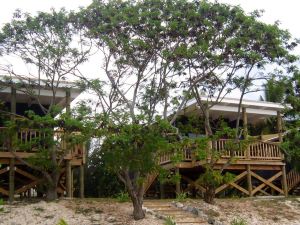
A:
[1,205]
[123,197]
[40,209]
[169,221]
[181,197]
[238,221]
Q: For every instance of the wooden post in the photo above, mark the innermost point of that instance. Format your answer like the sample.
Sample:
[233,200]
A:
[162,190]
[68,101]
[245,123]
[81,174]
[279,126]
[284,182]
[72,182]
[13,101]
[13,109]
[11,180]
[69,179]
[178,182]
[249,180]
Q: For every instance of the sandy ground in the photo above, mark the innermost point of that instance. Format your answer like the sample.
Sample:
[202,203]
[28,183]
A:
[255,211]
[74,212]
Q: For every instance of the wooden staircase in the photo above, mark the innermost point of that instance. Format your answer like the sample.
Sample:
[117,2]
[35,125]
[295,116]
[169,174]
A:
[293,180]
[149,180]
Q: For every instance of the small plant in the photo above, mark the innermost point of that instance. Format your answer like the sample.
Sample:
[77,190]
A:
[180,197]
[62,222]
[238,221]
[1,205]
[169,221]
[123,197]
[40,209]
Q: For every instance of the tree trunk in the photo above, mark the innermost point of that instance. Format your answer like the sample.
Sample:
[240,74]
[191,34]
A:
[135,191]
[209,195]
[138,212]
[51,193]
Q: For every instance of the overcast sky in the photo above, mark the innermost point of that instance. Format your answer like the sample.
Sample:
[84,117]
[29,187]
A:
[287,12]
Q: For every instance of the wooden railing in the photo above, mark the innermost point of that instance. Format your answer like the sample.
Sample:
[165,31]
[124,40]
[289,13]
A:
[31,139]
[256,151]
[293,179]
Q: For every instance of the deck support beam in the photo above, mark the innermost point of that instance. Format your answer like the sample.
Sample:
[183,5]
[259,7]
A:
[249,180]
[13,110]
[279,126]
[178,191]
[11,180]
[162,190]
[81,174]
[284,181]
[69,179]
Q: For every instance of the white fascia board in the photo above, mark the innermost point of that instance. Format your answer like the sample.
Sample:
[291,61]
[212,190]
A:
[245,103]
[223,108]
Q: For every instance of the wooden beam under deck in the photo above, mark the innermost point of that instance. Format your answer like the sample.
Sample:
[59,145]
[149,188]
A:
[238,165]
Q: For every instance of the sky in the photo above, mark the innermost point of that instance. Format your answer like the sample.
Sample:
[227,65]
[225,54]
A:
[287,12]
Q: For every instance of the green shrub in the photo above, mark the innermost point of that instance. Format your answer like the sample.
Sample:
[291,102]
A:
[238,221]
[62,222]
[169,221]
[1,205]
[180,197]
[123,197]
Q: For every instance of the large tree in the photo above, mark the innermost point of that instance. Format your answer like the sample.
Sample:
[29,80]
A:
[153,51]
[50,45]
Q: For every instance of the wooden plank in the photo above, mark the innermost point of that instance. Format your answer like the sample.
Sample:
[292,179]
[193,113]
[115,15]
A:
[239,188]
[28,186]
[267,182]
[4,170]
[26,174]
[237,178]
[193,183]
[4,192]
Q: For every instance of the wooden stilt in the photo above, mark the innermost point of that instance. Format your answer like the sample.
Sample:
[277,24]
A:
[162,190]
[13,109]
[284,181]
[68,101]
[69,179]
[11,180]
[279,126]
[81,174]
[177,183]
[249,180]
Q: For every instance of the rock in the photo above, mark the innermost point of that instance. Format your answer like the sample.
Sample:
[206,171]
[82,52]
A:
[217,223]
[179,205]
[190,209]
[111,219]
[96,217]
[184,208]
[211,220]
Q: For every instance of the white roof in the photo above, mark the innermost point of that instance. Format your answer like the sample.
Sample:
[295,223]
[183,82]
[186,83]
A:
[45,93]
[228,108]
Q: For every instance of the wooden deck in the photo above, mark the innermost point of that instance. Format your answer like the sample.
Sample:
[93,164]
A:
[25,179]
[259,170]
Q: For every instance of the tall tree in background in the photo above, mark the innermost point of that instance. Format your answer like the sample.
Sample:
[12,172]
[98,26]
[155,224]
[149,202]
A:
[53,48]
